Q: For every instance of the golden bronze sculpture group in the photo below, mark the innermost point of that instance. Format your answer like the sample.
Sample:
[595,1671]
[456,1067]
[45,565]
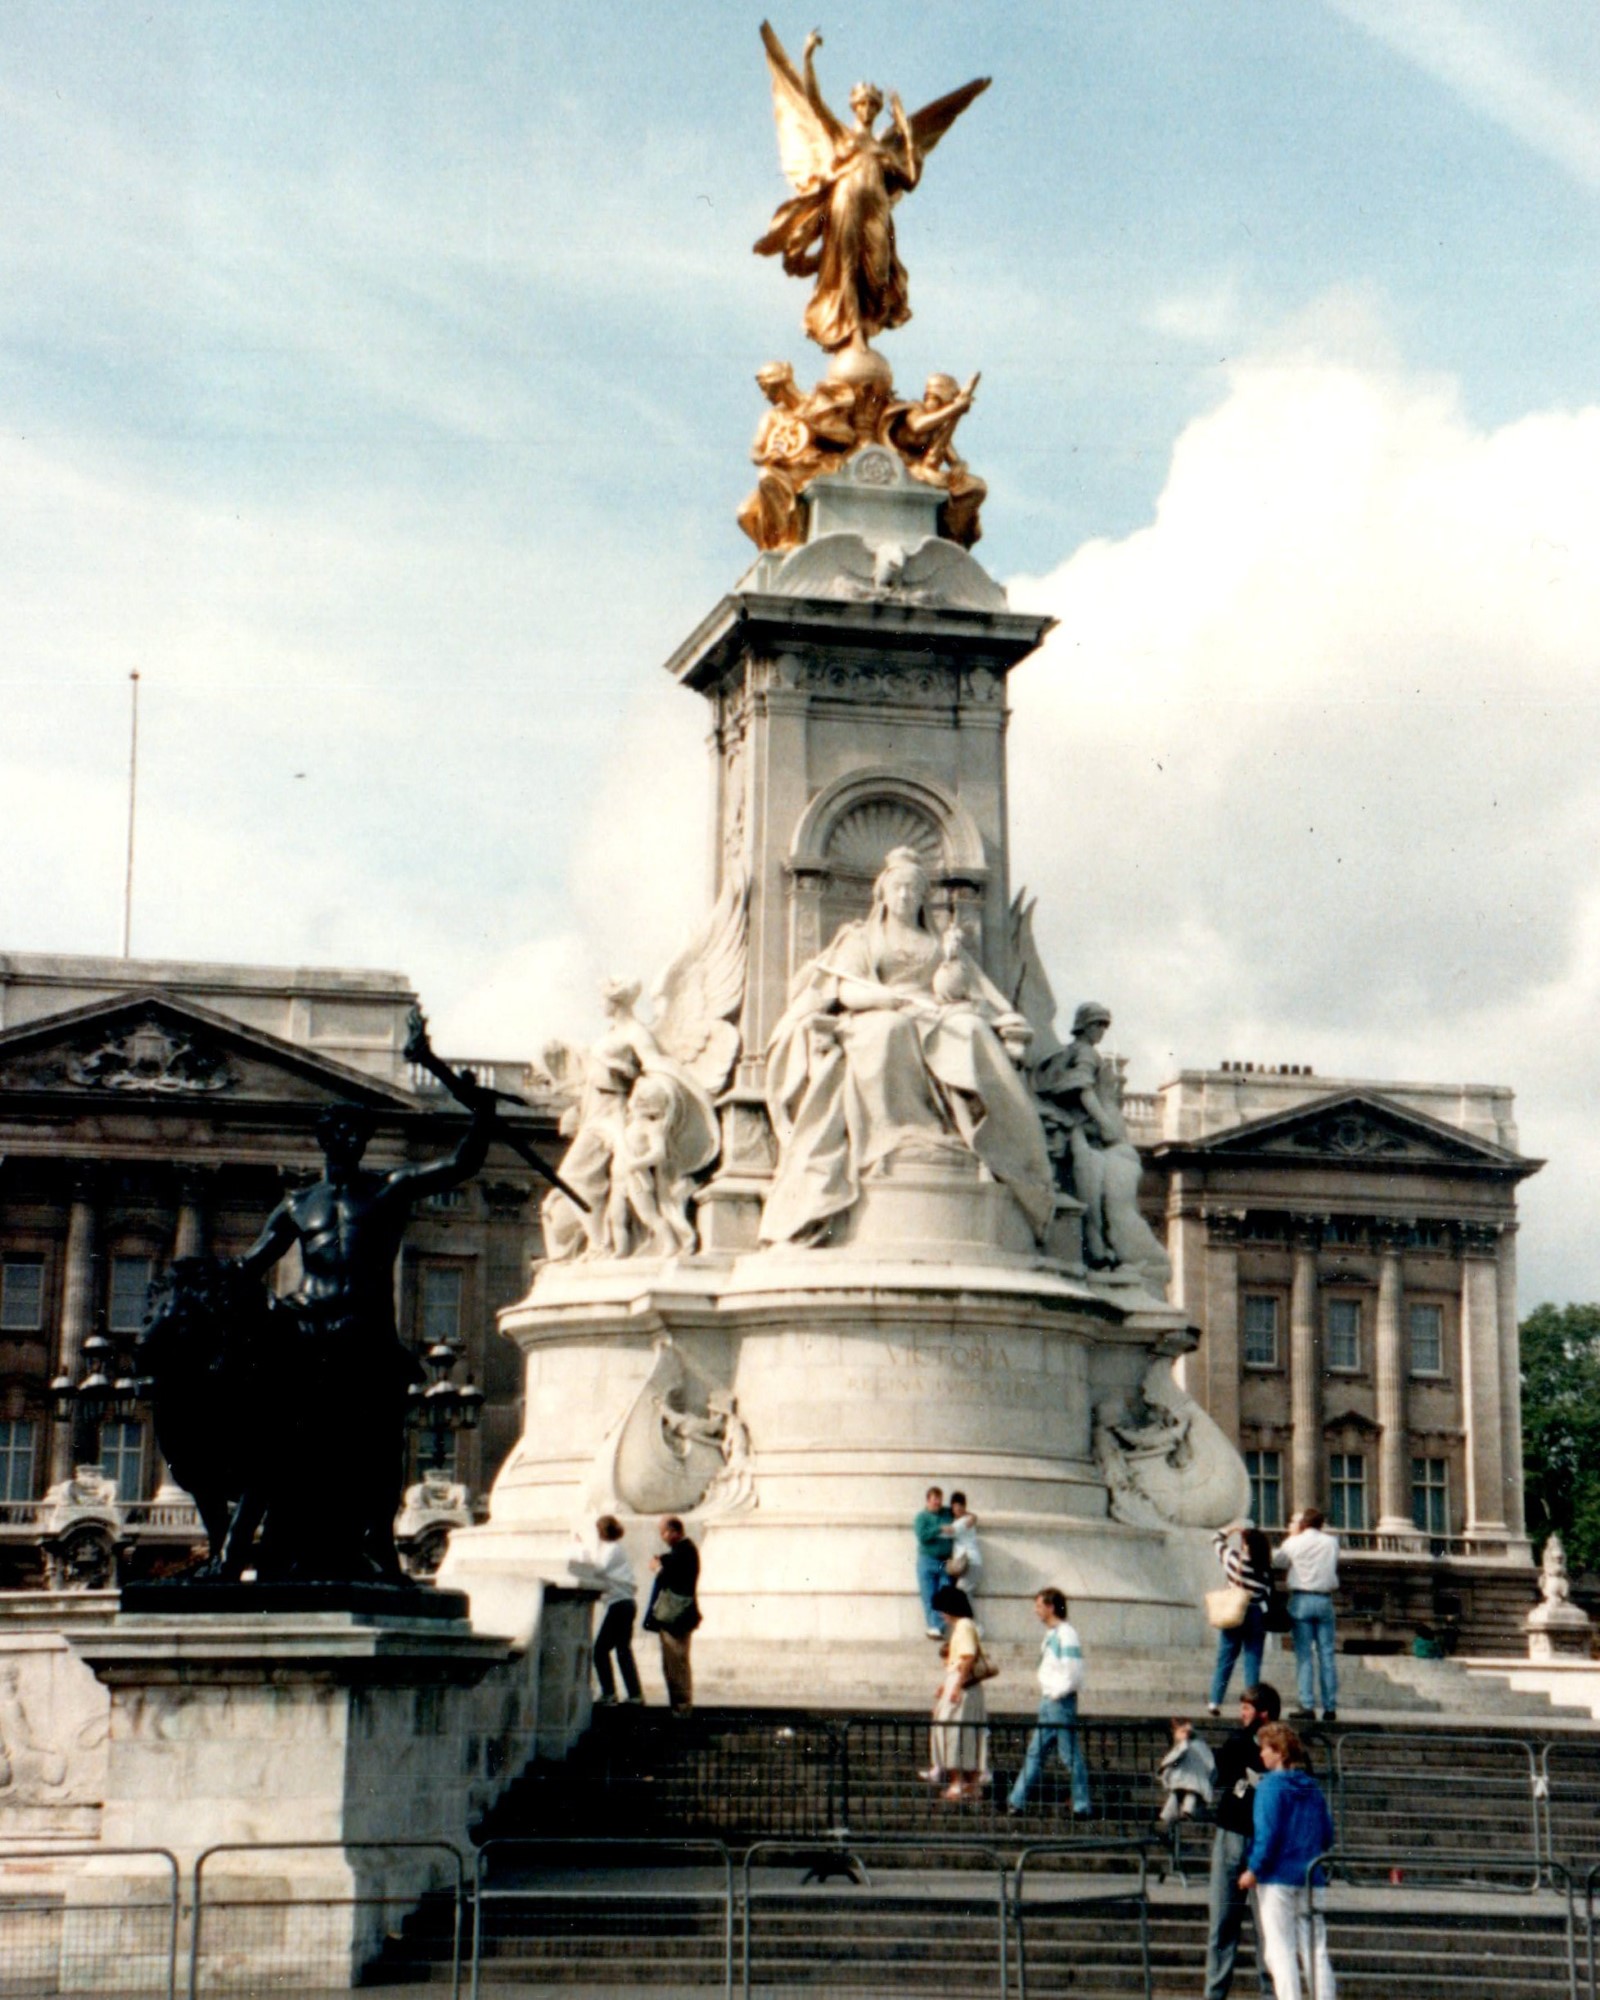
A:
[838,228]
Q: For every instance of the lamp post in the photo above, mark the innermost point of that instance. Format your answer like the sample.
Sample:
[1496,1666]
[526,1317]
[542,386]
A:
[438,1407]
[105,1391]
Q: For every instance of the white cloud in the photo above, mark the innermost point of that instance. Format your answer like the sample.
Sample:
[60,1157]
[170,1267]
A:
[1331,726]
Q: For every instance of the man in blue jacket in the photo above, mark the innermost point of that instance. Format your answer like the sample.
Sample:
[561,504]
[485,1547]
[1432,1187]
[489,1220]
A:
[1293,1827]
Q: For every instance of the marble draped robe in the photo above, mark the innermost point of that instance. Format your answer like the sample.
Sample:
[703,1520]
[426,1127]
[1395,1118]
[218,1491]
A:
[851,1081]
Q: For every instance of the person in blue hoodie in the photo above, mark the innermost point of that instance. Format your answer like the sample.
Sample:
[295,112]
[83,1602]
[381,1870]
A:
[1292,1827]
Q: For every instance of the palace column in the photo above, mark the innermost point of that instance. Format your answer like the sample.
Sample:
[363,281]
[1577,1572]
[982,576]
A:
[1305,1373]
[189,1238]
[1511,1384]
[1482,1400]
[1394,1513]
[1219,1311]
[77,1311]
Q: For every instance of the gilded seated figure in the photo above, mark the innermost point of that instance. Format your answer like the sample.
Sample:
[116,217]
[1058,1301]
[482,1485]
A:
[869,1066]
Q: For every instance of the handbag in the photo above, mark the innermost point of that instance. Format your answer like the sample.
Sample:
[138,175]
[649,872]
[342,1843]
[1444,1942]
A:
[1227,1607]
[669,1608]
[1278,1619]
[983,1668]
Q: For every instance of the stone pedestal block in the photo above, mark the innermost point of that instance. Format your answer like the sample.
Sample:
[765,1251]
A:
[1559,1631]
[311,1740]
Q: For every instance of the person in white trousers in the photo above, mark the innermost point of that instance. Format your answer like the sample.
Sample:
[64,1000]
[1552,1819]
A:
[1292,1828]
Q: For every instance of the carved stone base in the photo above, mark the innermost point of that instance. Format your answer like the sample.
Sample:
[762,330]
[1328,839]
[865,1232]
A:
[860,1382]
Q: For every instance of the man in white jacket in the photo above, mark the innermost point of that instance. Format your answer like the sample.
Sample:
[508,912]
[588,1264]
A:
[1311,1556]
[1060,1678]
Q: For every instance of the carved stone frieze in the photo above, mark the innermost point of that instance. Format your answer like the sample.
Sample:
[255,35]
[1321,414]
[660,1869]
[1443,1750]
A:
[145,1058]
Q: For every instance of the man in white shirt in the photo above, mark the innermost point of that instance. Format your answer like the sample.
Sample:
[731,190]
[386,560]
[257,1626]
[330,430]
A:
[1311,1556]
[1060,1678]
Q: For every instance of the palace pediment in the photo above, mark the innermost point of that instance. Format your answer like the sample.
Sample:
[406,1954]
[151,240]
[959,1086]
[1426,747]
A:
[1361,1128]
[147,1050]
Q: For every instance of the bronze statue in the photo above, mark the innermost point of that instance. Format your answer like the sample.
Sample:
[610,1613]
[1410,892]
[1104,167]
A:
[334,1518]
[289,1414]
[839,227]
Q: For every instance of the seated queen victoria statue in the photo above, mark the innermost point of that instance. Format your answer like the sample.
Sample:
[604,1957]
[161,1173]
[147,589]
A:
[869,1068]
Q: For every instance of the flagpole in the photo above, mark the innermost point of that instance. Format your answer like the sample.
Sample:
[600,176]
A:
[133,793]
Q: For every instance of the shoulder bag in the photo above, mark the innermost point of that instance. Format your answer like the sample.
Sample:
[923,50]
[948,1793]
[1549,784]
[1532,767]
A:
[1227,1606]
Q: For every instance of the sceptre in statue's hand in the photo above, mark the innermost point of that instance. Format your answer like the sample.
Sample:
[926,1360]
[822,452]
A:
[474,1096]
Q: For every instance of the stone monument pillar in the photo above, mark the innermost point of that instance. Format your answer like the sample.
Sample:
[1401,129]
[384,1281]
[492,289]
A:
[832,1180]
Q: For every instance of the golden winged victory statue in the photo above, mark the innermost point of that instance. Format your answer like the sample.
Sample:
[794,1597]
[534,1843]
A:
[839,226]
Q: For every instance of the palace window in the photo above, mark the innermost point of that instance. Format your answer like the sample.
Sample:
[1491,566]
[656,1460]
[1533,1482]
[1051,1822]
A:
[441,1303]
[1426,1325]
[22,1295]
[122,1456]
[128,1293]
[17,1437]
[1347,1490]
[1260,1330]
[1342,1329]
[1266,1487]
[1430,1495]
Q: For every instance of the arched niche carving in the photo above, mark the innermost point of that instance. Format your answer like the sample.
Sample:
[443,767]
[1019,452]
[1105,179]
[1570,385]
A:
[847,830]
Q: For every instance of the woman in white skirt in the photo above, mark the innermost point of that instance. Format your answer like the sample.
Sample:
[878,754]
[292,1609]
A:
[960,1733]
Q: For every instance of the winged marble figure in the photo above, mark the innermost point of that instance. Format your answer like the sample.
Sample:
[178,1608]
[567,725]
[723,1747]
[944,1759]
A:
[639,1102]
[839,226]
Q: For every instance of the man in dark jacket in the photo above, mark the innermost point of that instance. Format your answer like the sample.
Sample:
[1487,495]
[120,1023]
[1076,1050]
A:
[674,1612]
[1239,1771]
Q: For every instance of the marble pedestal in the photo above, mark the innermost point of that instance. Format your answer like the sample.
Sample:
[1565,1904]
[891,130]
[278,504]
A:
[321,1733]
[858,1382]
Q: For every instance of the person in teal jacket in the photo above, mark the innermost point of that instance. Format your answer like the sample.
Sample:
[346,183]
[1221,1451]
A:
[1292,1829]
[934,1543]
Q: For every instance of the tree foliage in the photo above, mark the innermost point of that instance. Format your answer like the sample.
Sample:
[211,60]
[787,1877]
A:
[1561,1427]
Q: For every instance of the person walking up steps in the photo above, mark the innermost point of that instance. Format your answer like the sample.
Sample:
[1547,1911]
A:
[1060,1681]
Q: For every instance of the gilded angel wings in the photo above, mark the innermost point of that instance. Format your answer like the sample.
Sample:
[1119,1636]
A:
[839,226]
[810,134]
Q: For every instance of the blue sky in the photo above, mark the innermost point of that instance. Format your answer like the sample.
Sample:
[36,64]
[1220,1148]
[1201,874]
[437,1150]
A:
[378,383]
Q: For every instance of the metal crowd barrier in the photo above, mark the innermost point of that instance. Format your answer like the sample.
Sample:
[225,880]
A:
[1569,1786]
[536,1905]
[1433,1818]
[1097,1896]
[301,1945]
[62,1930]
[1446,1976]
[925,1907]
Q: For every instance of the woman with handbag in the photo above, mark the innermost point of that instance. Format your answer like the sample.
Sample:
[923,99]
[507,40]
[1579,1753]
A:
[1239,1609]
[959,1738]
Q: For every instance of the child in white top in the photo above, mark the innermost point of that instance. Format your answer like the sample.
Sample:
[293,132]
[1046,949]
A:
[966,1558]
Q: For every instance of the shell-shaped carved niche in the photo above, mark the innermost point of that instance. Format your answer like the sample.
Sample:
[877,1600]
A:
[866,833]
